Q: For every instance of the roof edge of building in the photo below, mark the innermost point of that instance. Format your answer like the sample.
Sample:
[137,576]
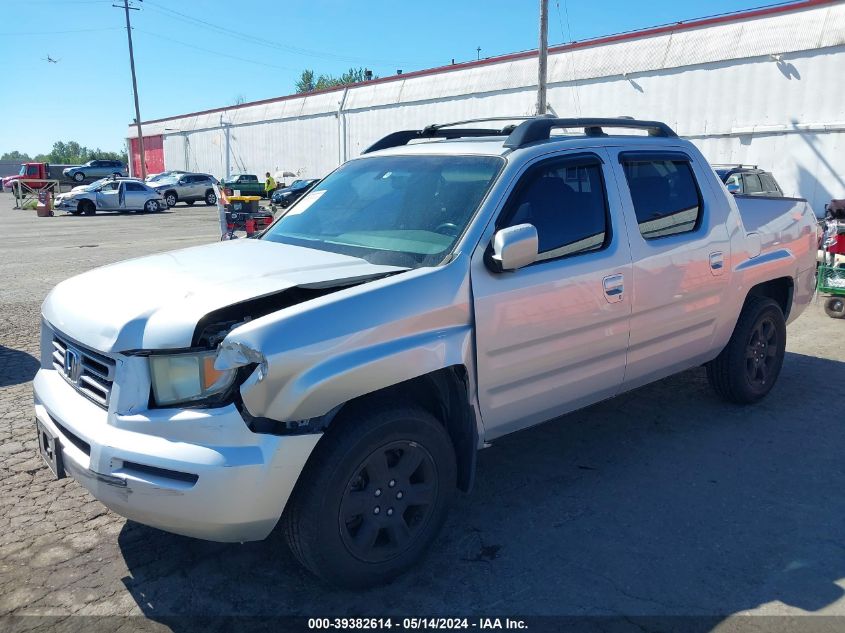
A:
[603,40]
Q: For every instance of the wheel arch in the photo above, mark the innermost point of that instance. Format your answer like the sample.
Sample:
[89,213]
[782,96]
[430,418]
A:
[780,290]
[444,393]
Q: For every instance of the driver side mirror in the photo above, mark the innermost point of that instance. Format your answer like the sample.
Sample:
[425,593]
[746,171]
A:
[734,188]
[513,248]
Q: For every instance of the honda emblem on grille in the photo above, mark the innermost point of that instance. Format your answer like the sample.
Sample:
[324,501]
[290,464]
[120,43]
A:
[73,364]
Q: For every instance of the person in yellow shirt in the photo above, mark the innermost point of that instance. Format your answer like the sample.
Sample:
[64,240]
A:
[269,185]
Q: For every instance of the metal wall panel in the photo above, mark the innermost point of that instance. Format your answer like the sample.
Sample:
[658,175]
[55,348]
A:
[765,90]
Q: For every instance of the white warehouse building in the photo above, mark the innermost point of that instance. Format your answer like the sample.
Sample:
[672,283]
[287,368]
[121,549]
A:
[761,87]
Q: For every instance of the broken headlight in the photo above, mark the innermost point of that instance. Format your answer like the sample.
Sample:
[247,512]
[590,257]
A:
[179,378]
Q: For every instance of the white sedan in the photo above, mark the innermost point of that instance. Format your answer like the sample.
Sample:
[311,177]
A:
[112,195]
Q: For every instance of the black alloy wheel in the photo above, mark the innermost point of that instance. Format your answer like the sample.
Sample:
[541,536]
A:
[388,501]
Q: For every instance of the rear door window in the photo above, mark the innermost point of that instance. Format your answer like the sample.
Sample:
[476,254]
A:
[769,185]
[666,197]
[752,184]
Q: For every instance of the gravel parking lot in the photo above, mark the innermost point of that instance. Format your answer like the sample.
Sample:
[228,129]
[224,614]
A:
[662,502]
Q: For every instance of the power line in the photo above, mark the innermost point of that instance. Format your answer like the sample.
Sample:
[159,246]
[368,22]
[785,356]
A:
[223,30]
[210,51]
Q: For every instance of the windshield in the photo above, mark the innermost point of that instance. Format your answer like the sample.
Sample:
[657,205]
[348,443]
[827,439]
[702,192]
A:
[22,172]
[396,210]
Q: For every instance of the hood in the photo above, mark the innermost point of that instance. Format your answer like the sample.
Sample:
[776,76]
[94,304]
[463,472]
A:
[73,193]
[155,302]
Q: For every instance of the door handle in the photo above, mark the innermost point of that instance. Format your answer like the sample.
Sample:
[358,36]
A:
[717,263]
[614,286]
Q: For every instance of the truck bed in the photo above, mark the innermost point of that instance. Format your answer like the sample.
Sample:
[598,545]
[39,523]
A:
[775,220]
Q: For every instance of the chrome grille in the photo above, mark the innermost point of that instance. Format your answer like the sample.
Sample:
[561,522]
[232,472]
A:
[91,374]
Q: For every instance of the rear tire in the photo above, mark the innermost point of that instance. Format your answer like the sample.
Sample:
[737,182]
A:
[210,198]
[749,366]
[834,307]
[373,495]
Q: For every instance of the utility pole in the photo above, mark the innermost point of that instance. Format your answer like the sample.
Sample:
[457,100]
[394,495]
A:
[543,53]
[141,160]
[478,50]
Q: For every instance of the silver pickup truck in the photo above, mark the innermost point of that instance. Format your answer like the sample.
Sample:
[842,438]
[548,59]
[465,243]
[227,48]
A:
[338,374]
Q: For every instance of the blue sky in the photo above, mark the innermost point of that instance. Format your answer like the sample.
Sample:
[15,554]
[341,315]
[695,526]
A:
[197,54]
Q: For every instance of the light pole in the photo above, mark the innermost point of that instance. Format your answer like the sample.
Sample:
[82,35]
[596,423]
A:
[142,156]
[543,57]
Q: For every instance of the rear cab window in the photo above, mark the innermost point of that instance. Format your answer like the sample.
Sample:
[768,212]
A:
[665,194]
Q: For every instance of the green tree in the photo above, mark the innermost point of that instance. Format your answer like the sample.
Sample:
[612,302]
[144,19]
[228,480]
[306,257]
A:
[307,82]
[72,153]
[16,155]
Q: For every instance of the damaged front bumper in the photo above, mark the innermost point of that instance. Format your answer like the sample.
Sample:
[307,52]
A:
[232,486]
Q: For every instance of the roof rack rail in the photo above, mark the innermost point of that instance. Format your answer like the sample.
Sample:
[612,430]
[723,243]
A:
[734,165]
[437,131]
[540,128]
[533,128]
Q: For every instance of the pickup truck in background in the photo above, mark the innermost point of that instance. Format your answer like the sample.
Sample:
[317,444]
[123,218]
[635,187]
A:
[448,287]
[247,184]
[36,174]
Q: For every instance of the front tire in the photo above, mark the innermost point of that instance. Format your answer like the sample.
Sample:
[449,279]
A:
[87,207]
[373,496]
[834,307]
[171,199]
[749,366]
[151,206]
[78,177]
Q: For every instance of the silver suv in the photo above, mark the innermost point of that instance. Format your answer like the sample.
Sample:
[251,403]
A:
[187,188]
[95,169]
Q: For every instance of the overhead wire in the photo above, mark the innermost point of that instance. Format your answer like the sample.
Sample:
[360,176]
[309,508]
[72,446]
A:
[252,38]
[211,51]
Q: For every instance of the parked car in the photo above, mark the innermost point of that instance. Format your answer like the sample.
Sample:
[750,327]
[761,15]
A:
[247,184]
[187,188]
[286,196]
[95,169]
[103,181]
[115,194]
[421,301]
[748,180]
[164,175]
